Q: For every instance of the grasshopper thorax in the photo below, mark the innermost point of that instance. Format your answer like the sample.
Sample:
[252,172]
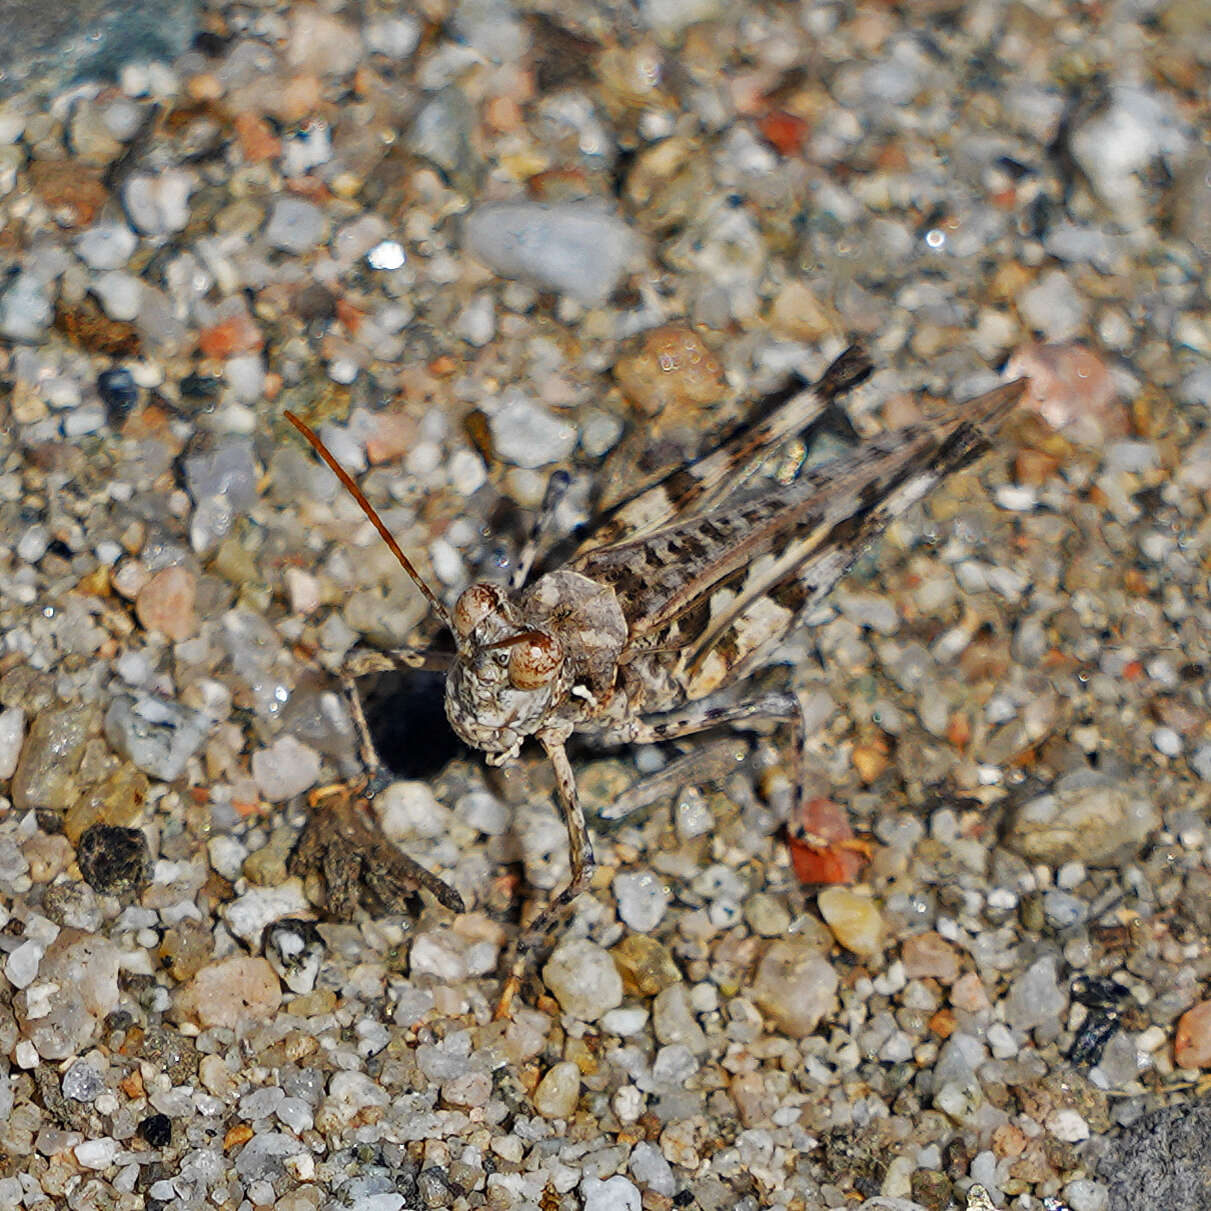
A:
[507,676]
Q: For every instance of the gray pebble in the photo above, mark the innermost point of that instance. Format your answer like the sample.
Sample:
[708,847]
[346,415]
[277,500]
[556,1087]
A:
[225,467]
[82,1082]
[25,309]
[1036,998]
[157,735]
[529,435]
[296,225]
[573,248]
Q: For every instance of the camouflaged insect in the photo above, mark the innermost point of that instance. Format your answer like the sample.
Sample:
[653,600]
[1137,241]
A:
[681,591]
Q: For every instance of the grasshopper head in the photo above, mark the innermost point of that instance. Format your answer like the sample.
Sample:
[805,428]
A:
[507,676]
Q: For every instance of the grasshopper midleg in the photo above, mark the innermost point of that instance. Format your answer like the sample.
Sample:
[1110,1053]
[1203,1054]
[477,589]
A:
[683,590]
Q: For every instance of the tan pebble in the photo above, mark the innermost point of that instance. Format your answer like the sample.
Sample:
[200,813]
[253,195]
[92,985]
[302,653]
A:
[297,98]
[753,1103]
[854,919]
[205,86]
[800,315]
[241,1133]
[679,1145]
[313,1004]
[233,989]
[929,955]
[1192,1042]
[215,1076]
[870,760]
[672,368]
[943,1023]
[558,1091]
[165,603]
[645,964]
[47,854]
[132,1083]
[968,994]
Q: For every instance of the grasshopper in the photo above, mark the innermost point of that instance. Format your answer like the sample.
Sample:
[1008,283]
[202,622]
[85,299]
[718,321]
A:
[679,592]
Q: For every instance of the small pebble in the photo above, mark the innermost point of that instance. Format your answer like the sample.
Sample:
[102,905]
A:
[159,205]
[795,986]
[12,735]
[616,1193]
[285,769]
[558,1092]
[1192,1039]
[929,955]
[295,225]
[97,1153]
[853,918]
[1035,998]
[166,603]
[575,248]
[249,914]
[642,900]
[158,736]
[529,435]
[583,979]
[229,991]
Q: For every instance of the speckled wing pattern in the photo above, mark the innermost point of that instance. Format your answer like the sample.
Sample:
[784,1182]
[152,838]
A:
[708,596]
[698,487]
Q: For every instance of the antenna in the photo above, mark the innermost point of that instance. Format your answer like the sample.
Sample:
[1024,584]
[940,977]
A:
[351,487]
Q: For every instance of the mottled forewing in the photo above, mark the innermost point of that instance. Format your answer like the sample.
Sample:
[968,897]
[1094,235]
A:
[696,488]
[720,590]
[885,478]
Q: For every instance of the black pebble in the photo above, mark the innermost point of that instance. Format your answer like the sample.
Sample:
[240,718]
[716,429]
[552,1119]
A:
[156,1129]
[113,860]
[200,386]
[118,391]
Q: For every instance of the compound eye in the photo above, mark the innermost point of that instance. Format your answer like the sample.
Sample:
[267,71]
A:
[474,604]
[534,661]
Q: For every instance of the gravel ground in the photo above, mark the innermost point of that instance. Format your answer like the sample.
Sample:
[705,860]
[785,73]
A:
[478,241]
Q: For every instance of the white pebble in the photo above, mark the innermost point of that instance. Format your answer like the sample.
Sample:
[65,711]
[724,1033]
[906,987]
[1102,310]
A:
[285,769]
[642,900]
[576,249]
[159,205]
[1167,742]
[21,966]
[98,1153]
[477,323]
[1067,1125]
[528,435]
[624,1021]
[107,246]
[247,915]
[120,294]
[614,1194]
[12,736]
